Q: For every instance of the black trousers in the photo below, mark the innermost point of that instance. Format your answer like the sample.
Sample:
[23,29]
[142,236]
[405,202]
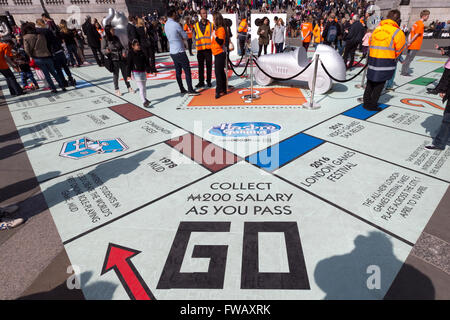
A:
[306,45]
[242,45]
[219,71]
[202,57]
[98,55]
[164,44]
[189,42]
[120,66]
[150,54]
[13,86]
[60,64]
[260,49]
[349,50]
[372,93]
[442,85]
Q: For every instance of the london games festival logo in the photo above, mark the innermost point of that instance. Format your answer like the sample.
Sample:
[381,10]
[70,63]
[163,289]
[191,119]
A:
[85,147]
[244,129]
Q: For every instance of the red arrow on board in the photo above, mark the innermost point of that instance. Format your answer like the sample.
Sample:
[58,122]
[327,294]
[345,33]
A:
[118,258]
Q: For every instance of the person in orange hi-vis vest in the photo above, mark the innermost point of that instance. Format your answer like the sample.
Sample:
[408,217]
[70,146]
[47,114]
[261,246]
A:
[242,34]
[415,39]
[317,33]
[203,30]
[189,29]
[307,30]
[385,46]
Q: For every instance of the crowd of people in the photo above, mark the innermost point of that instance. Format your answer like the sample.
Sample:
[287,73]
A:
[51,49]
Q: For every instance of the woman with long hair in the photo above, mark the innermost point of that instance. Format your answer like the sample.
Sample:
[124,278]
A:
[68,37]
[264,34]
[114,50]
[217,47]
[146,44]
[278,35]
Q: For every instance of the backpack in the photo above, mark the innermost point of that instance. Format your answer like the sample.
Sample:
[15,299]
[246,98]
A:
[332,33]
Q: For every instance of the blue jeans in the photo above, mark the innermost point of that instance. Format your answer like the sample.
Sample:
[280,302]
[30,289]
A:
[48,67]
[60,62]
[72,50]
[341,46]
[390,82]
[24,76]
[181,62]
[444,132]
[279,47]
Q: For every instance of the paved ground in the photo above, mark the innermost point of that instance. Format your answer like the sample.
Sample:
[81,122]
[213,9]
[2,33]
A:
[151,193]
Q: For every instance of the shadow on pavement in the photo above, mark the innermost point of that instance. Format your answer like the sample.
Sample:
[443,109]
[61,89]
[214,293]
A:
[348,276]
[53,194]
[62,292]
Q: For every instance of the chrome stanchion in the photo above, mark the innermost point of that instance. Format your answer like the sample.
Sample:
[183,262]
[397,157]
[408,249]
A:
[311,105]
[362,85]
[246,60]
[252,96]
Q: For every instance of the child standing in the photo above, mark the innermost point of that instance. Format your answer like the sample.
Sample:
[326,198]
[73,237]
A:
[365,42]
[23,61]
[138,64]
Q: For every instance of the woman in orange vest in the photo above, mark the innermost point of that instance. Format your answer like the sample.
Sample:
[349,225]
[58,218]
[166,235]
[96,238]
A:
[317,32]
[307,31]
[217,45]
[188,28]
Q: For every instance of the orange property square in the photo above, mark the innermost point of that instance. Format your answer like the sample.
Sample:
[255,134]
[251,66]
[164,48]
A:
[269,97]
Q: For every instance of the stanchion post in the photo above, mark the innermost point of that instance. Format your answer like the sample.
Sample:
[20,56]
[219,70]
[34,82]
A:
[226,67]
[362,85]
[246,55]
[250,97]
[311,105]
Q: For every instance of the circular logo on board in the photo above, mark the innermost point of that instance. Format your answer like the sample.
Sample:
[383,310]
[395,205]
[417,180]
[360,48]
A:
[244,129]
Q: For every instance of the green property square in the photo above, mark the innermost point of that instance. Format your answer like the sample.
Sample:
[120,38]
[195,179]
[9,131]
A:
[423,81]
[440,70]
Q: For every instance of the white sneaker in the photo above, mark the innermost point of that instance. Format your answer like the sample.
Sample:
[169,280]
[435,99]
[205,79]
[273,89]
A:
[118,93]
[9,210]
[6,223]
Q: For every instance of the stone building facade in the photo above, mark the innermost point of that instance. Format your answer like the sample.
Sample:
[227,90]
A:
[410,13]
[30,10]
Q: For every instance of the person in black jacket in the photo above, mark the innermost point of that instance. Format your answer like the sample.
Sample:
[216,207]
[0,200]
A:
[138,65]
[332,31]
[446,74]
[153,39]
[442,138]
[132,30]
[68,37]
[93,40]
[352,40]
[145,43]
[115,51]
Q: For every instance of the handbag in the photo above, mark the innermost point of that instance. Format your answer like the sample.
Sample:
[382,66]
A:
[109,63]
[230,47]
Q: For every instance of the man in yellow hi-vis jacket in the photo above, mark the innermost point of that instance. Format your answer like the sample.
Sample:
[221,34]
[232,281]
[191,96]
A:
[203,30]
[386,45]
